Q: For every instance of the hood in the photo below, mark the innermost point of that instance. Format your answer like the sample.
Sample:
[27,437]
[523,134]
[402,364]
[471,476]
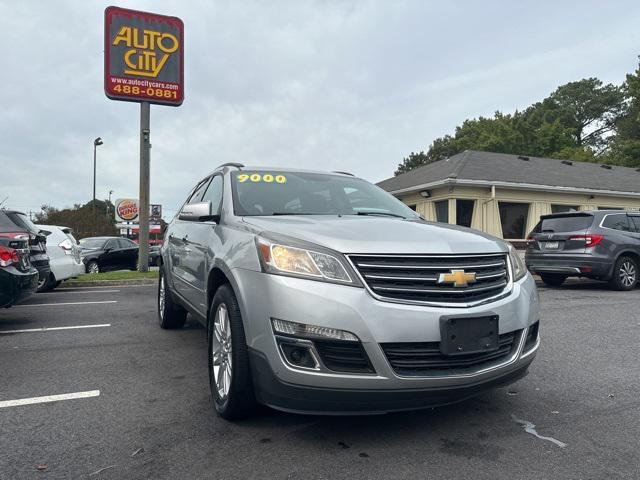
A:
[354,234]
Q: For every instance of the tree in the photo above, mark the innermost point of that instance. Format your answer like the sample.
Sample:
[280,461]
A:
[588,108]
[625,144]
[575,122]
[81,218]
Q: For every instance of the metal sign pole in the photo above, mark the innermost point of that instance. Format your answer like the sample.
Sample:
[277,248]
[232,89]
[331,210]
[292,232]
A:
[143,207]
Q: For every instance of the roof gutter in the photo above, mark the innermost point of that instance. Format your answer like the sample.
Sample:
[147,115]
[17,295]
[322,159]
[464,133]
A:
[521,186]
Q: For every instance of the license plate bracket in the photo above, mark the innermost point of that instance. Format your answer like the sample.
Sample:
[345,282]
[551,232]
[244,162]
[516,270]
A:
[468,335]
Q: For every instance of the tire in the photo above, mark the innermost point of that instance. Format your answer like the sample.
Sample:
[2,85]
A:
[625,274]
[170,315]
[553,279]
[47,285]
[232,394]
[93,267]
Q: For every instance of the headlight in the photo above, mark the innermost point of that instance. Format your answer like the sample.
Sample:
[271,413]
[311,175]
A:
[517,265]
[302,262]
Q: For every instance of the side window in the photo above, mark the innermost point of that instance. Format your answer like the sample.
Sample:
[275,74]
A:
[125,243]
[635,223]
[214,194]
[197,194]
[112,244]
[617,222]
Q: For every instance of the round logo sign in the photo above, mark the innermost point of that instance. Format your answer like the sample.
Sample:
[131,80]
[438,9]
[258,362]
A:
[127,209]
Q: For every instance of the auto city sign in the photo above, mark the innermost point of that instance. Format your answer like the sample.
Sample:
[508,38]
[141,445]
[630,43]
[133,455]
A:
[143,57]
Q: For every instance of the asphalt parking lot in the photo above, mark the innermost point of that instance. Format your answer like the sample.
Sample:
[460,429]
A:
[144,409]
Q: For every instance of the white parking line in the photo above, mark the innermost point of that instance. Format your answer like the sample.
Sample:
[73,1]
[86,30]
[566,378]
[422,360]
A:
[49,398]
[62,303]
[48,329]
[85,291]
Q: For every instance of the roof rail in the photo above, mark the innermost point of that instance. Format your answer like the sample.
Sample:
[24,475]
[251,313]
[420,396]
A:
[231,164]
[344,173]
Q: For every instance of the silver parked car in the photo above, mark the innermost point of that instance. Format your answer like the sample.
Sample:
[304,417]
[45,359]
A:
[322,293]
[64,256]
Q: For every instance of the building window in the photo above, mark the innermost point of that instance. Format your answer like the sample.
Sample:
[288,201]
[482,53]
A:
[513,217]
[464,212]
[412,207]
[564,208]
[442,211]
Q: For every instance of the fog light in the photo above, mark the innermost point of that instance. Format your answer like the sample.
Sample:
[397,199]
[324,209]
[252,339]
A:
[302,330]
[298,355]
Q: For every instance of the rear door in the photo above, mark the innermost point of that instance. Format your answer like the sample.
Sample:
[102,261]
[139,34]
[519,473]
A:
[561,233]
[129,253]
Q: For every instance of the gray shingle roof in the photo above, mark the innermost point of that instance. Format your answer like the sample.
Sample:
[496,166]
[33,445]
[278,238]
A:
[502,167]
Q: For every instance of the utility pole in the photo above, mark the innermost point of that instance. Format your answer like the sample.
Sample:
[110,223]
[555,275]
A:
[143,207]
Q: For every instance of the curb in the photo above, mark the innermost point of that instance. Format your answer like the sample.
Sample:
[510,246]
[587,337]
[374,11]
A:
[111,283]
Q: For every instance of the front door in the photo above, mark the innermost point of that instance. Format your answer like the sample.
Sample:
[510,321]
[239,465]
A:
[202,244]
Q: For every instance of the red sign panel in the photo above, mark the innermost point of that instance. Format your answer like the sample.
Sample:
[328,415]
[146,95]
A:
[143,57]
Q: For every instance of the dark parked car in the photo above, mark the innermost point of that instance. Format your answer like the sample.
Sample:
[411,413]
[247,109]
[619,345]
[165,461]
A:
[154,255]
[18,224]
[601,244]
[18,279]
[102,254]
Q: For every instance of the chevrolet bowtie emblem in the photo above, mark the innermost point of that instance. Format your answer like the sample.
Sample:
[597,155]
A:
[459,278]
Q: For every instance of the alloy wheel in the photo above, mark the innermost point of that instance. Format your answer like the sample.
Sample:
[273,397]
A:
[161,294]
[221,350]
[93,268]
[627,274]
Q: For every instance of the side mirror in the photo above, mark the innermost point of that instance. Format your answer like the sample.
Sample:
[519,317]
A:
[198,212]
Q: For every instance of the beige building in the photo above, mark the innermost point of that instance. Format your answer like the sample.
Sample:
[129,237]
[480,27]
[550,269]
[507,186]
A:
[505,195]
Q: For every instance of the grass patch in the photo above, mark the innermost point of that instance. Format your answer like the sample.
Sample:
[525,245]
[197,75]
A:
[123,275]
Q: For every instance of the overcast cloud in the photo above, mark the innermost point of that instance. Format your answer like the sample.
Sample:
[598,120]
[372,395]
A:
[333,85]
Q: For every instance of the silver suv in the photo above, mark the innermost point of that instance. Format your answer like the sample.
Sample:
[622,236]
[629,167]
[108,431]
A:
[321,293]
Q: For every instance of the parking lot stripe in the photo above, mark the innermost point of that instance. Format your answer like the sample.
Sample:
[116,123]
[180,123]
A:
[63,303]
[86,291]
[48,329]
[49,398]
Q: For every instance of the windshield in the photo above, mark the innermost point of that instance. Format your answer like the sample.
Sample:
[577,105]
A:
[92,242]
[297,193]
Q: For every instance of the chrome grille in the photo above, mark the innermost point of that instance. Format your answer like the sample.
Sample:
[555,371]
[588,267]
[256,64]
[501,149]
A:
[415,278]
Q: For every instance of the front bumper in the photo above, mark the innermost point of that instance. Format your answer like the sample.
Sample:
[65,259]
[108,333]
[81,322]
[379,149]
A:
[572,265]
[263,296]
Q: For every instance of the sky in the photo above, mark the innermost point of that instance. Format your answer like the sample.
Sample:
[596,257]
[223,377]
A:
[330,85]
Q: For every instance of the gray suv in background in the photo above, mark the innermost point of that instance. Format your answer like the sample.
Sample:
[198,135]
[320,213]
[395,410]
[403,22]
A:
[600,244]
[322,293]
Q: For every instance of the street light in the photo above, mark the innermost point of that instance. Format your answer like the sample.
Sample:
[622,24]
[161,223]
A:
[96,143]
[109,203]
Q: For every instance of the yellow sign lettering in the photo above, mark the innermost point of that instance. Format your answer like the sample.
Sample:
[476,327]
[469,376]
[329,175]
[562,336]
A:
[148,51]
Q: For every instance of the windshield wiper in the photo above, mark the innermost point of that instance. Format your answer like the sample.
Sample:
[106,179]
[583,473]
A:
[387,214]
[293,213]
